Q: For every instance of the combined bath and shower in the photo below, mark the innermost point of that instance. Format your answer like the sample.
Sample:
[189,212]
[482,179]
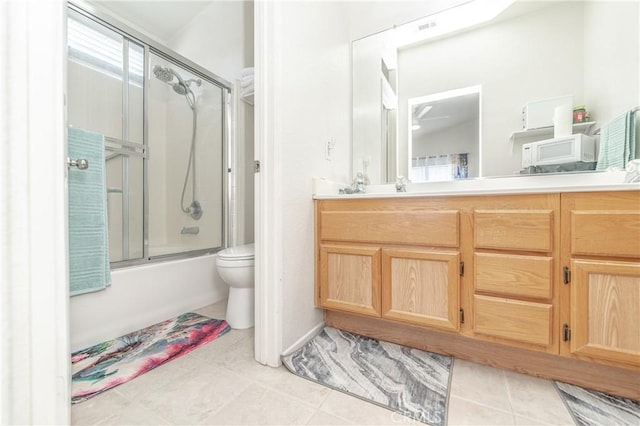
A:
[182,87]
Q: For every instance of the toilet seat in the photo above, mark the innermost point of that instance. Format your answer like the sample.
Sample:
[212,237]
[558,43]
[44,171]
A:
[237,253]
[234,263]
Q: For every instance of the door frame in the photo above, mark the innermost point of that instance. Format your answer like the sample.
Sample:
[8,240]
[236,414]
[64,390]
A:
[35,363]
[268,188]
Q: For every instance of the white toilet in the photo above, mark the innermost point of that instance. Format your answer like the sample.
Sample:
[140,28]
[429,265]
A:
[235,266]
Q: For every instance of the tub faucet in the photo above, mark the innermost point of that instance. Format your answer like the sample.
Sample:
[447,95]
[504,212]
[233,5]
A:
[193,230]
[401,184]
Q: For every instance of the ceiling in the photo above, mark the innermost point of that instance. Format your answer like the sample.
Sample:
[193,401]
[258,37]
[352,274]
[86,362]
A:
[162,19]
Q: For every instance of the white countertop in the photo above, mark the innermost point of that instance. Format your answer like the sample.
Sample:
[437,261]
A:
[525,184]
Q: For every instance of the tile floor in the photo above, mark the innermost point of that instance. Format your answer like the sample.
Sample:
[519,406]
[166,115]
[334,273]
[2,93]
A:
[221,384]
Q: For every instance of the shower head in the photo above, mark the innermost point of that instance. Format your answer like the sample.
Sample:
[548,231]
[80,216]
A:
[166,74]
[163,73]
[180,88]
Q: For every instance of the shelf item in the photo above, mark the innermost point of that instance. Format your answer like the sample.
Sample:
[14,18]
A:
[545,131]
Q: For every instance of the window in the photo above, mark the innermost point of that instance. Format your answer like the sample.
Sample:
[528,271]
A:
[101,51]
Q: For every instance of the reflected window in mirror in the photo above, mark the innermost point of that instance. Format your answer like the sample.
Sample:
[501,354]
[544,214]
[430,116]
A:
[444,135]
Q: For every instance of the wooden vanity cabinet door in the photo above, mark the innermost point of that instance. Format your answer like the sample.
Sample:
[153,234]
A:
[350,278]
[601,251]
[421,287]
[605,314]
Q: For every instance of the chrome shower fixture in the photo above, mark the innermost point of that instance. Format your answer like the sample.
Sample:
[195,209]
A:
[162,73]
[166,75]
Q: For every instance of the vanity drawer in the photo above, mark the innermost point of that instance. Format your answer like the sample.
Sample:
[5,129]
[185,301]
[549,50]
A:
[527,276]
[526,322]
[609,233]
[429,228]
[527,230]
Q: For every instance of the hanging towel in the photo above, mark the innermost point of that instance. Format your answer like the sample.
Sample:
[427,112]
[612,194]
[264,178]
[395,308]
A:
[617,142]
[88,244]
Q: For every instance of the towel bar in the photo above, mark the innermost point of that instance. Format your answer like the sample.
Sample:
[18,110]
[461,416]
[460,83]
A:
[80,163]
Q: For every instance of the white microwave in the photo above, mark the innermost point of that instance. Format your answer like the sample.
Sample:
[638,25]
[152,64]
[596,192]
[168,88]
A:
[568,149]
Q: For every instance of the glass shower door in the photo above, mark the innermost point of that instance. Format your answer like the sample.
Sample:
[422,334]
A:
[185,170]
[106,92]
[163,119]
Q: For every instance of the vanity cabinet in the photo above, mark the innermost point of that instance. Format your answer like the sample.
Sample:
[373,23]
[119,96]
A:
[436,261]
[545,284]
[601,272]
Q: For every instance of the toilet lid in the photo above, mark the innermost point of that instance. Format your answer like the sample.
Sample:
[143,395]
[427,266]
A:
[238,252]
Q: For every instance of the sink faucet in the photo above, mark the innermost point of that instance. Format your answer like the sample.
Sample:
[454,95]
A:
[358,186]
[401,184]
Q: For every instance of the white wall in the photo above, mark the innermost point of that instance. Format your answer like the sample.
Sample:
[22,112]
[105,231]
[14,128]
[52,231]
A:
[313,92]
[219,38]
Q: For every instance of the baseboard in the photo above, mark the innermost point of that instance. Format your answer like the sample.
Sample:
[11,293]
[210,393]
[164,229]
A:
[304,339]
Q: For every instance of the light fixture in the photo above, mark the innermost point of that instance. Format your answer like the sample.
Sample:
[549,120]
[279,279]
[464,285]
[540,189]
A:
[454,19]
[421,110]
[415,127]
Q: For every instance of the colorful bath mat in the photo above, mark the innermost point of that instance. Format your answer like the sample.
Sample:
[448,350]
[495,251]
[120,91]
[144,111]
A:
[108,364]
[409,381]
[592,408]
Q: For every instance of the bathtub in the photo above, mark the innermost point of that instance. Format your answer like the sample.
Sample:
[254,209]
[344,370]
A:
[144,295]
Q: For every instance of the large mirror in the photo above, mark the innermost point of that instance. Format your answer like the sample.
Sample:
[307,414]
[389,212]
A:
[529,51]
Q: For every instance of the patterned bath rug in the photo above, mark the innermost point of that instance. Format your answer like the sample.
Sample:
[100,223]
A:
[108,364]
[592,408]
[408,381]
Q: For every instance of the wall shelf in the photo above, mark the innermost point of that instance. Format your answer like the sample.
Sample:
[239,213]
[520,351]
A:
[548,131]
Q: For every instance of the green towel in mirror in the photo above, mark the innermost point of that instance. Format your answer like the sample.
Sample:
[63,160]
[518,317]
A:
[617,142]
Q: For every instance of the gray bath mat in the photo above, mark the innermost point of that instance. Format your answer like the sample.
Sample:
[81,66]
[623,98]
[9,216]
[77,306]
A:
[409,381]
[591,408]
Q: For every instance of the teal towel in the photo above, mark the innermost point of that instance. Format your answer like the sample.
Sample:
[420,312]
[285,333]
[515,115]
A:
[617,142]
[88,243]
